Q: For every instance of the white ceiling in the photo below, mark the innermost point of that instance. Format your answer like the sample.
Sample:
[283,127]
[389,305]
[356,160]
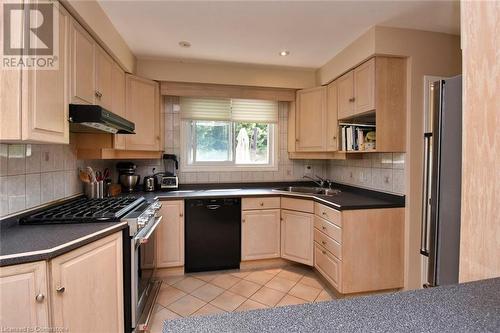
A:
[255,31]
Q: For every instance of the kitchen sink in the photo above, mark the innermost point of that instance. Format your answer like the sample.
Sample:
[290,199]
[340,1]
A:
[309,190]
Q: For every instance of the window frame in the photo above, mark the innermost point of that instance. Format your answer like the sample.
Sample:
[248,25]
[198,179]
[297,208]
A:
[214,166]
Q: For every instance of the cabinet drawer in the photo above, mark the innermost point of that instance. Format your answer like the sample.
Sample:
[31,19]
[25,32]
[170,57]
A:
[328,266]
[328,213]
[260,203]
[300,205]
[329,244]
[330,229]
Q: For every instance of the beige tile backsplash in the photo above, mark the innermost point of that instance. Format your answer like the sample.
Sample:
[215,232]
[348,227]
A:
[378,171]
[32,175]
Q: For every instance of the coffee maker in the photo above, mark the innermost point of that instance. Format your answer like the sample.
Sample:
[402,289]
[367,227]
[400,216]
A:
[168,179]
[126,175]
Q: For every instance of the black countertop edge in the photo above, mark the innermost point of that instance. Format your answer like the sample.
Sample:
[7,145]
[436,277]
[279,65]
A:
[47,254]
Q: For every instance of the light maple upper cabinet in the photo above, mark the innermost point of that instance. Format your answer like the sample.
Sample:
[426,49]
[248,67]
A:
[142,108]
[331,117]
[87,287]
[170,235]
[83,69]
[118,101]
[34,102]
[357,90]
[310,117]
[297,236]
[104,78]
[24,296]
[364,87]
[345,86]
[260,234]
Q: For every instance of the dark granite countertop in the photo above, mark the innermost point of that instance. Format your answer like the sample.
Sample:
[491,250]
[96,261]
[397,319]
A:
[468,307]
[348,199]
[28,243]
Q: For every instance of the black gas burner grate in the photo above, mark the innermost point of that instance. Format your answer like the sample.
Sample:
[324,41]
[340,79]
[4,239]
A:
[84,210]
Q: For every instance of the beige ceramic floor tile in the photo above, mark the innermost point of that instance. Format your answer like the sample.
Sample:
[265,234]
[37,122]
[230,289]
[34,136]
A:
[250,305]
[206,276]
[208,310]
[305,292]
[225,281]
[259,277]
[323,296]
[189,284]
[272,271]
[169,280]
[241,274]
[280,284]
[186,306]
[159,318]
[291,300]
[311,281]
[228,301]
[267,296]
[289,275]
[207,292]
[245,288]
[169,295]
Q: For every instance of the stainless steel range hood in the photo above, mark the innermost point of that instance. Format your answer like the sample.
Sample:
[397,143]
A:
[95,119]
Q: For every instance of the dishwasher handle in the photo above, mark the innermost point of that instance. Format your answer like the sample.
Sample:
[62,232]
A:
[213,207]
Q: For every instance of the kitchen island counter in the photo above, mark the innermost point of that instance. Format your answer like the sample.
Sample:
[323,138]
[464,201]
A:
[468,307]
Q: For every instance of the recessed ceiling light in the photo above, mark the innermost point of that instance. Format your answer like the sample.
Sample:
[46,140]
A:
[284,53]
[183,43]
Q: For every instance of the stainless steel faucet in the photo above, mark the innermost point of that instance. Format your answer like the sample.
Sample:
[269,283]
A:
[319,181]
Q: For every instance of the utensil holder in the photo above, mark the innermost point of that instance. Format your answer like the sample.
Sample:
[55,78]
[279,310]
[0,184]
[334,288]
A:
[94,190]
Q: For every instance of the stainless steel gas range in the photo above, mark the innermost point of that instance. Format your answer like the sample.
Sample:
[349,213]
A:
[140,289]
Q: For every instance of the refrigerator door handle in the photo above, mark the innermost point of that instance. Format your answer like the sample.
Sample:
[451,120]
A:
[424,249]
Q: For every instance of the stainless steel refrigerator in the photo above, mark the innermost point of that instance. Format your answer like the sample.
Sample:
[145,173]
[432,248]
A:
[440,240]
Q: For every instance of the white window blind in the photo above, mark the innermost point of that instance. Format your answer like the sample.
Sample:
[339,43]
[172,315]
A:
[240,110]
[205,108]
[252,110]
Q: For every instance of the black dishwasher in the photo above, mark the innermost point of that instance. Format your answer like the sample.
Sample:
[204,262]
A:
[212,234]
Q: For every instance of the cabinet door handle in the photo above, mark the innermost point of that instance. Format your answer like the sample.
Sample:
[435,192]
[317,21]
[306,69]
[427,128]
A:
[181,215]
[297,140]
[243,221]
[351,99]
[323,242]
[324,252]
[60,289]
[262,204]
[324,228]
[39,298]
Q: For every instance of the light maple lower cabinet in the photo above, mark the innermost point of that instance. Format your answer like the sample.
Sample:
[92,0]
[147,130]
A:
[142,108]
[87,287]
[170,235]
[297,236]
[24,296]
[260,234]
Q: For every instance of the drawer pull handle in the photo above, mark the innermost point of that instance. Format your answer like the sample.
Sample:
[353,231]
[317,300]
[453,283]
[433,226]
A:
[323,242]
[324,213]
[39,298]
[181,215]
[243,221]
[60,289]
[261,204]
[324,228]
[324,252]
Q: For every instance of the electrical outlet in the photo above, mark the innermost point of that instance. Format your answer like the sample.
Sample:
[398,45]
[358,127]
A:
[308,169]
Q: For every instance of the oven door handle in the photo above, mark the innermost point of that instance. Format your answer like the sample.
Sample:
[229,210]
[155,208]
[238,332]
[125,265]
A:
[144,239]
